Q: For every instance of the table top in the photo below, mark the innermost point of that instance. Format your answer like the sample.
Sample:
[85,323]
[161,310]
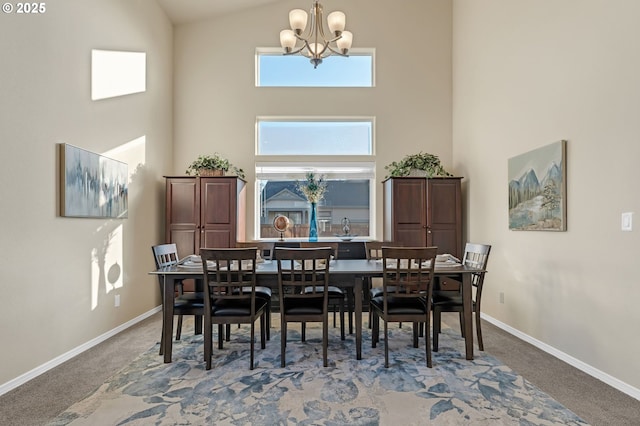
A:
[336,267]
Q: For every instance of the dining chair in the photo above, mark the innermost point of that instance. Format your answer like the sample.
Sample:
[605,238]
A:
[303,285]
[185,302]
[264,253]
[336,293]
[230,295]
[477,256]
[373,251]
[407,282]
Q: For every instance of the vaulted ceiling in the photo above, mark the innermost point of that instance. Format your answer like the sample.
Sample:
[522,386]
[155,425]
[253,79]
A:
[184,11]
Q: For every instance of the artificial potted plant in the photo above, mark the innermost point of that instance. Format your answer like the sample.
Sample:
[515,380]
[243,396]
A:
[212,165]
[421,164]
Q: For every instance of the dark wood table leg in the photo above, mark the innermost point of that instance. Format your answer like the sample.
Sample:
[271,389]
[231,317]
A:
[167,320]
[357,290]
[468,315]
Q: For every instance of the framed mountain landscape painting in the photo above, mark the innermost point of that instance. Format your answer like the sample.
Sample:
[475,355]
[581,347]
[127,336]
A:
[538,189]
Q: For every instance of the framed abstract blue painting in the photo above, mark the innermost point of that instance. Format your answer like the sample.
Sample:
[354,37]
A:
[92,185]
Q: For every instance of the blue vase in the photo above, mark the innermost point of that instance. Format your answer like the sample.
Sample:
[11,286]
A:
[313,224]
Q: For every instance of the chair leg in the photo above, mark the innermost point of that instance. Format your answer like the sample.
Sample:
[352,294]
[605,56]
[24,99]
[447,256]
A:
[221,335]
[375,328]
[268,319]
[161,352]
[461,314]
[208,342]
[325,341]
[251,344]
[179,327]
[427,327]
[264,329]
[479,331]
[303,331]
[436,328]
[228,334]
[341,307]
[283,342]
[386,344]
[416,332]
[350,305]
[334,314]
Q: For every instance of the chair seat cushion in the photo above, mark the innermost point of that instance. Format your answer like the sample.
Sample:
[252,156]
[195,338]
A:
[189,301]
[333,291]
[445,300]
[377,291]
[191,296]
[303,306]
[401,305]
[450,303]
[227,307]
[261,291]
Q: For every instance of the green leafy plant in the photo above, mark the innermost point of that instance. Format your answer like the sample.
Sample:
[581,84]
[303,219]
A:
[213,162]
[313,189]
[426,162]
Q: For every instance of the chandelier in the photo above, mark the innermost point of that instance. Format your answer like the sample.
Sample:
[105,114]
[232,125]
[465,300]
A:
[315,45]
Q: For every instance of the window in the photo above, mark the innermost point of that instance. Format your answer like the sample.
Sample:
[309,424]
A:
[349,195]
[315,136]
[273,69]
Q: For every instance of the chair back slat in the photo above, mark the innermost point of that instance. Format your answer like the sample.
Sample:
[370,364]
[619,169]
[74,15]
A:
[165,255]
[408,271]
[373,249]
[265,248]
[310,269]
[229,274]
[477,256]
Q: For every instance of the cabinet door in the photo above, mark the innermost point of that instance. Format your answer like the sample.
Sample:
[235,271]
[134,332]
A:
[183,215]
[218,216]
[444,215]
[409,205]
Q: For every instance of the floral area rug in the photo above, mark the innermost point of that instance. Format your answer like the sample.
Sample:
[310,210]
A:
[347,392]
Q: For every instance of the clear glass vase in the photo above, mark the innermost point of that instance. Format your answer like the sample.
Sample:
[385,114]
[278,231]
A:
[313,223]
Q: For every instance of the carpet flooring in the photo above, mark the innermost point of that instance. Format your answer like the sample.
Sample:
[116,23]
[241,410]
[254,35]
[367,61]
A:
[41,400]
[347,392]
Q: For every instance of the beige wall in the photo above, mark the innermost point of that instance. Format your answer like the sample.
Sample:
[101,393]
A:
[527,74]
[52,300]
[216,101]
[524,74]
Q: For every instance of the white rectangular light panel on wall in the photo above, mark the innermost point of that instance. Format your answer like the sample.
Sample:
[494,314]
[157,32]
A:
[116,73]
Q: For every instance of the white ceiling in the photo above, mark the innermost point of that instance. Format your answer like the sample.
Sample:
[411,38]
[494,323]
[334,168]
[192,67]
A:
[183,11]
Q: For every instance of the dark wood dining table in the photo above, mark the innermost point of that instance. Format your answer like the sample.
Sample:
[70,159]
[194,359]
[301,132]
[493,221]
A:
[347,271]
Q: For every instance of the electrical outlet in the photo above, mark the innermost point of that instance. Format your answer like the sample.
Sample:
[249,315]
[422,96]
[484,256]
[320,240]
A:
[627,221]
[117,300]
[501,297]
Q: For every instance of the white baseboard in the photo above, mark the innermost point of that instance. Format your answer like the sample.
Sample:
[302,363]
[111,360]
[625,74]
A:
[12,384]
[590,370]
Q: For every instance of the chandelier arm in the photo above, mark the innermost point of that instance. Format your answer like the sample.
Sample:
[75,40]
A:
[336,52]
[293,52]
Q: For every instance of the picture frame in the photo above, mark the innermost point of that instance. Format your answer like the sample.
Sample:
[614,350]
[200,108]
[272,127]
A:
[92,185]
[538,189]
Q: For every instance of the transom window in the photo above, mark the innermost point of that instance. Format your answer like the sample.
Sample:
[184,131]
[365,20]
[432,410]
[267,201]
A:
[315,136]
[273,69]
